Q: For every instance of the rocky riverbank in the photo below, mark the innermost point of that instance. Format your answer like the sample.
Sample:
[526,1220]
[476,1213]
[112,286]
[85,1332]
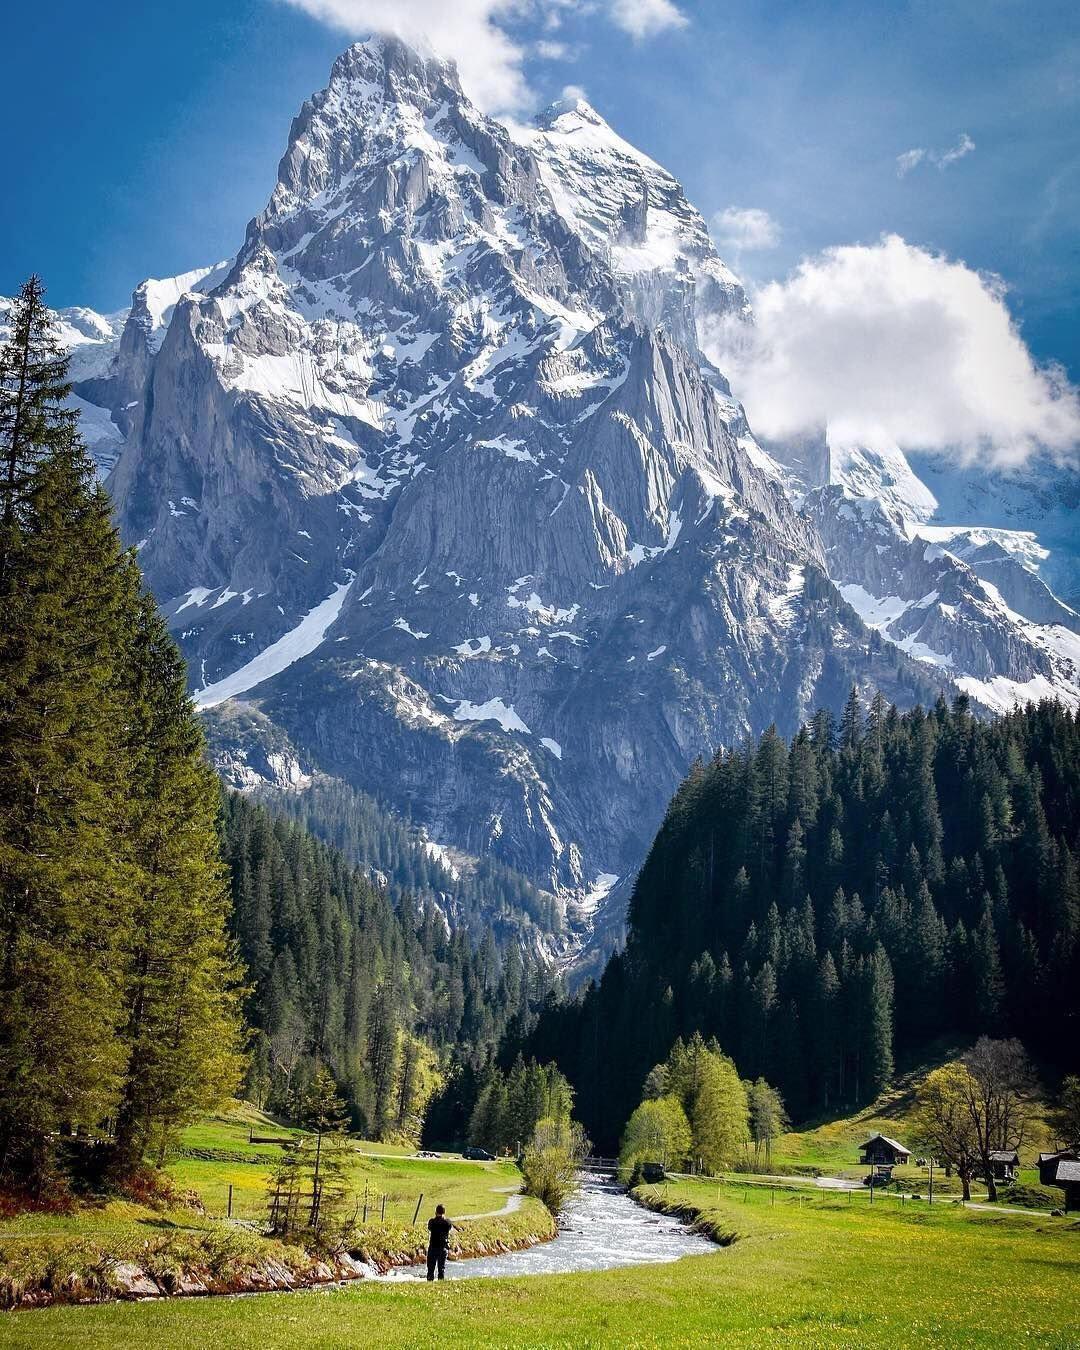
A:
[226,1259]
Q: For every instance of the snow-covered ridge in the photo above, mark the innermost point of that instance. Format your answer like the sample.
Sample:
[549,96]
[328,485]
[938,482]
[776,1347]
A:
[464,368]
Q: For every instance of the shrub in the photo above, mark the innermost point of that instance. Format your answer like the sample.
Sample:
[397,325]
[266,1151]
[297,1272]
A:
[550,1163]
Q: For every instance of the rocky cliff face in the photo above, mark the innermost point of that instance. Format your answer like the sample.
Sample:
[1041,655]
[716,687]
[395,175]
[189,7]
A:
[435,477]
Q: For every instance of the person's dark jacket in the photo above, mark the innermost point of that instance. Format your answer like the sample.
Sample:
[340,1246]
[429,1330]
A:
[439,1233]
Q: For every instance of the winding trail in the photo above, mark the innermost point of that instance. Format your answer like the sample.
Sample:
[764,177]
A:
[511,1207]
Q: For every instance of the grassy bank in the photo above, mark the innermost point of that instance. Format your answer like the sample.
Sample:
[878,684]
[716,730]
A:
[116,1248]
[831,1273]
[216,1154]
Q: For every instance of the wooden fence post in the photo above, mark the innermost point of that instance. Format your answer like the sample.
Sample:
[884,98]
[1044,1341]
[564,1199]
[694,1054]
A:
[418,1204]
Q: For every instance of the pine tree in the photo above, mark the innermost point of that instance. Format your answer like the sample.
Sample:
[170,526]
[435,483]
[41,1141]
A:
[384,1033]
[66,877]
[34,422]
[182,988]
[876,1024]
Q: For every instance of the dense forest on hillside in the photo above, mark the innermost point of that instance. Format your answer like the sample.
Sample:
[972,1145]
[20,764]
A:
[380,991]
[488,894]
[824,907]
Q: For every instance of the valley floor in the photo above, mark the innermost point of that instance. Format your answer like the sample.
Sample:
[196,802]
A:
[831,1272]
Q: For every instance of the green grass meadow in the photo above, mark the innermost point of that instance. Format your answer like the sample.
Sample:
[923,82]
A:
[830,1272]
[806,1267]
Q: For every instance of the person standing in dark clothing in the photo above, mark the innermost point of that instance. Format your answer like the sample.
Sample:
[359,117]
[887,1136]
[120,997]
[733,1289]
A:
[438,1241]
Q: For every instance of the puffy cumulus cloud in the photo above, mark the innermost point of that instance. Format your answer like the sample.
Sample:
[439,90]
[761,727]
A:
[475,34]
[489,61]
[643,18]
[744,229]
[892,345]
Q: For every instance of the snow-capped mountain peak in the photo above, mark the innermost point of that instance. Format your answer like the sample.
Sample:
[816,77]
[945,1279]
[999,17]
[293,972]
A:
[435,476]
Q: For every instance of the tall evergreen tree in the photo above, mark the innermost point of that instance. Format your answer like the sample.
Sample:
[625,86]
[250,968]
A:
[66,875]
[182,1029]
[114,977]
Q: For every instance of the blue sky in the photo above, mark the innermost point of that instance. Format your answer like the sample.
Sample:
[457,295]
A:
[143,137]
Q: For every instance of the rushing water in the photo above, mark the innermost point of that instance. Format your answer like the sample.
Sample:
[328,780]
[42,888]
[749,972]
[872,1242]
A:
[600,1229]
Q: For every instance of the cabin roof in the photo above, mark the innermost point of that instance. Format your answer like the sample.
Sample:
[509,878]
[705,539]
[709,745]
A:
[1069,1170]
[892,1143]
[1005,1155]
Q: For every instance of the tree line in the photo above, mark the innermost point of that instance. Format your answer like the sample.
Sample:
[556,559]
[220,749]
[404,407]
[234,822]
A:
[119,990]
[823,907]
[382,993]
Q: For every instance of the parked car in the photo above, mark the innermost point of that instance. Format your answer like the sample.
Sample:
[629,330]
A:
[478,1155]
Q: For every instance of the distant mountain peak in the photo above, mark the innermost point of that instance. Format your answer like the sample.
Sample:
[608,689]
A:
[403,70]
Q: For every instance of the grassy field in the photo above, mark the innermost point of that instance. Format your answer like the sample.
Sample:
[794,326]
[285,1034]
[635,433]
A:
[829,1273]
[393,1171]
[50,1251]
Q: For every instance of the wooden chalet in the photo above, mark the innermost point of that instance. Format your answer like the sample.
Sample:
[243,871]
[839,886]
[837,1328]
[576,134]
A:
[1004,1164]
[1062,1169]
[1068,1178]
[881,1151]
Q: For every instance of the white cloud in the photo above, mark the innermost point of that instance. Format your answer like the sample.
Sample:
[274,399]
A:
[643,18]
[467,31]
[910,159]
[574,93]
[963,146]
[744,229]
[941,159]
[892,345]
[474,34]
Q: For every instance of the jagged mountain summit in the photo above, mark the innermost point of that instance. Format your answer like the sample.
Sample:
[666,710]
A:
[434,481]
[967,598]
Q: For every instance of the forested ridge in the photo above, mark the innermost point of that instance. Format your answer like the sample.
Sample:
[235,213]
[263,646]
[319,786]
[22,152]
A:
[381,992]
[824,907]
[488,894]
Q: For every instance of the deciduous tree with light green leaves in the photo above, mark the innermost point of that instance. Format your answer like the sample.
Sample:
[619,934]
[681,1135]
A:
[658,1131]
[713,1098]
[768,1118]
